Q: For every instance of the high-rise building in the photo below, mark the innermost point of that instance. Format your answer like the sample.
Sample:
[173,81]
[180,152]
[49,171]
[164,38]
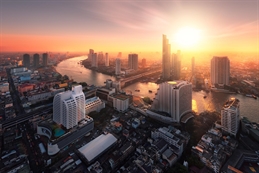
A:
[90,55]
[69,107]
[166,56]
[107,60]
[101,59]
[174,98]
[94,60]
[176,66]
[117,66]
[230,117]
[36,60]
[45,59]
[193,66]
[133,61]
[220,71]
[26,60]
[144,62]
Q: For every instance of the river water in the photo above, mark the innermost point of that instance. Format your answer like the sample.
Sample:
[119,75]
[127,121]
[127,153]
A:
[249,107]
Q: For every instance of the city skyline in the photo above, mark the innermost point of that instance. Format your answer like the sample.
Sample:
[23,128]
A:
[128,25]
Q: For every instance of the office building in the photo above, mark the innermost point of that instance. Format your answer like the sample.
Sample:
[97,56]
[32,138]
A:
[120,102]
[117,66]
[94,62]
[101,59]
[94,104]
[133,61]
[166,56]
[107,60]
[36,60]
[144,62]
[90,55]
[69,107]
[220,71]
[26,60]
[176,66]
[45,59]
[173,98]
[230,116]
[193,66]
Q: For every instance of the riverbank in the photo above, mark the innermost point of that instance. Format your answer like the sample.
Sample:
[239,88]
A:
[102,69]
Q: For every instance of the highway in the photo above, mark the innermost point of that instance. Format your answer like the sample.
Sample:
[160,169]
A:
[24,117]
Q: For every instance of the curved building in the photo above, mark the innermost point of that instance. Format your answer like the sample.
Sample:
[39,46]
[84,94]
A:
[174,98]
[69,107]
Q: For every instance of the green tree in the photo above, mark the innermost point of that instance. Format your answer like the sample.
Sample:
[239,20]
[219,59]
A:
[147,100]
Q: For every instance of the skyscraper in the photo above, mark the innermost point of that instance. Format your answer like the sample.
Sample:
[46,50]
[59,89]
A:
[90,55]
[230,117]
[45,59]
[174,98]
[101,58]
[176,66]
[193,66]
[94,62]
[26,60]
[107,60]
[69,107]
[166,56]
[117,66]
[220,71]
[144,62]
[36,60]
[133,61]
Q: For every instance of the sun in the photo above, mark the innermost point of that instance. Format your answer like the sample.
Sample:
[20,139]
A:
[187,37]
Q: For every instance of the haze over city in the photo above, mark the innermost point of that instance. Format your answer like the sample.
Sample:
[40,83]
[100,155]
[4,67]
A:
[192,26]
[139,86]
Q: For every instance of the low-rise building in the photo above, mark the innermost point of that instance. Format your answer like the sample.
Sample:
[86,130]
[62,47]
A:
[93,104]
[120,102]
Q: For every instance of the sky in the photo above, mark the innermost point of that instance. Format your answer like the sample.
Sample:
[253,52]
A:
[128,25]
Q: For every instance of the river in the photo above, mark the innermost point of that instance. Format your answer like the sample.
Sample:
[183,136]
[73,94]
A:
[249,107]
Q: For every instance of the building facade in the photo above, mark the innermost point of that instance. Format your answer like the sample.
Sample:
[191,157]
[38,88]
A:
[94,104]
[166,56]
[45,59]
[133,61]
[36,60]
[26,60]
[107,60]
[220,70]
[117,66]
[69,107]
[173,98]
[230,116]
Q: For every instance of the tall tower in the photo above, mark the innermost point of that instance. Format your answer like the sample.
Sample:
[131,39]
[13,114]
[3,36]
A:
[117,66]
[220,70]
[166,49]
[193,66]
[69,107]
[45,59]
[90,55]
[230,117]
[94,60]
[174,98]
[107,60]
[133,61]
[144,62]
[26,60]
[36,60]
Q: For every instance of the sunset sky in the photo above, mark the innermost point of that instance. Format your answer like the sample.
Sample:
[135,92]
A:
[128,25]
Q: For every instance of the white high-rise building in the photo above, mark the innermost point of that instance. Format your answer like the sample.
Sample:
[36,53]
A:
[117,66]
[230,116]
[220,71]
[69,107]
[133,61]
[174,98]
[107,60]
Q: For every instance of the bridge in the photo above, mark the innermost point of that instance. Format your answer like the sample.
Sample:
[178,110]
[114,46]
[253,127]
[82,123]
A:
[129,79]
